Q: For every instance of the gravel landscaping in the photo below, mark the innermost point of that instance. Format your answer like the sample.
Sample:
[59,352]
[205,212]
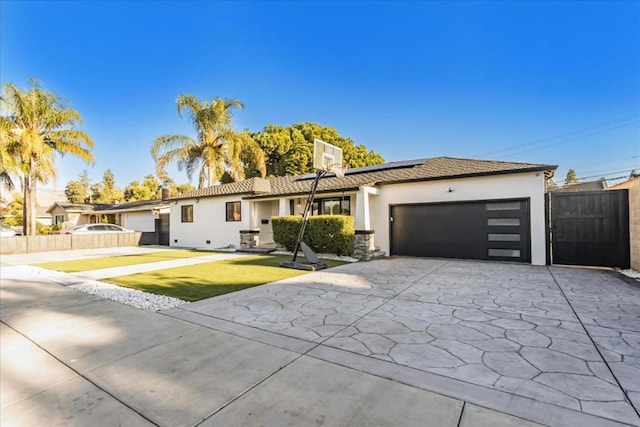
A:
[631,273]
[128,296]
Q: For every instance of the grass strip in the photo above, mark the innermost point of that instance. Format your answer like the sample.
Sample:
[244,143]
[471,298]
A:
[196,282]
[122,260]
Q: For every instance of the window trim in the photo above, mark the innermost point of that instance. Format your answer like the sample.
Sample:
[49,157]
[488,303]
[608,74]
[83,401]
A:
[320,204]
[233,211]
[184,218]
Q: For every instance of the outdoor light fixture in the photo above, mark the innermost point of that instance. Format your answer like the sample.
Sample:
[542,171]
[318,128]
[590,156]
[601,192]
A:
[450,189]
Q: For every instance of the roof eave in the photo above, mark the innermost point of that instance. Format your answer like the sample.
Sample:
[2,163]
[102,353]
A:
[544,168]
[300,193]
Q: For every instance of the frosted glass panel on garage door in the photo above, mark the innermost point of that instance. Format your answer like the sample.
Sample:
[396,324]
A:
[139,221]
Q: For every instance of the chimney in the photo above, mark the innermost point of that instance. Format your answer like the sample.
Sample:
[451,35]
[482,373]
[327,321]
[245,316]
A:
[165,193]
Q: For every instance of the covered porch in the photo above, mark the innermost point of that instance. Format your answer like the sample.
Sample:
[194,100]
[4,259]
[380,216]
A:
[257,231]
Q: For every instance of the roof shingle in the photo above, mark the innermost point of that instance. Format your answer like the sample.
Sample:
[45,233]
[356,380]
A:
[390,173]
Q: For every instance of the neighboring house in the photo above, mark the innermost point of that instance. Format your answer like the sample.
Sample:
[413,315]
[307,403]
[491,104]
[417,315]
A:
[598,185]
[136,216]
[439,207]
[44,198]
[632,182]
[42,216]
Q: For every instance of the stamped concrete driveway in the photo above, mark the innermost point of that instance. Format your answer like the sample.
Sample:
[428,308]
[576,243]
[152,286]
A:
[560,346]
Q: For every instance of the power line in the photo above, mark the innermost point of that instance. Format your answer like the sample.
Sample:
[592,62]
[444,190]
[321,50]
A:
[608,169]
[604,175]
[615,123]
[576,138]
[608,161]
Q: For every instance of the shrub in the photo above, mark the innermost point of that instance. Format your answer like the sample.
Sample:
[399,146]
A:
[325,233]
[285,230]
[42,229]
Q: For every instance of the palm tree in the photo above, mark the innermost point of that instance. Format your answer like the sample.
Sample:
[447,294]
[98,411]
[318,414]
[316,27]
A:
[38,124]
[217,148]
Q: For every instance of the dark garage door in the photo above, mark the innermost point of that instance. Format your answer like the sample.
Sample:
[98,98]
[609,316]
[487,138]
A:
[490,230]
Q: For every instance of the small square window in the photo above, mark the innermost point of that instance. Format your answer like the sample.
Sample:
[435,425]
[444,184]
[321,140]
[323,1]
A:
[58,219]
[233,211]
[509,222]
[187,213]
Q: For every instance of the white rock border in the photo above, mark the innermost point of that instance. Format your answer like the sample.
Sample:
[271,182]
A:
[128,296]
[631,273]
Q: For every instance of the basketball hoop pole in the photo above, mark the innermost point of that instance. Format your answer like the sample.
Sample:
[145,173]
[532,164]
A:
[307,211]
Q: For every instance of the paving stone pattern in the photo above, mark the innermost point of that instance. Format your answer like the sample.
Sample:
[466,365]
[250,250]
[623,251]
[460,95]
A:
[610,311]
[504,326]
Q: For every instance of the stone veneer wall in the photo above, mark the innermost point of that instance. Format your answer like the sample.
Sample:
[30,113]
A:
[634,225]
[249,239]
[363,245]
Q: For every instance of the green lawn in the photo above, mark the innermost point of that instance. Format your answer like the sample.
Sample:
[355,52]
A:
[119,261]
[193,283]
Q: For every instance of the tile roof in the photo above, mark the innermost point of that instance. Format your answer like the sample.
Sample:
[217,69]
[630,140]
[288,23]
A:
[248,186]
[597,185]
[99,207]
[388,173]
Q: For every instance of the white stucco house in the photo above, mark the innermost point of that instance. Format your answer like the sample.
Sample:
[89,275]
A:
[143,216]
[438,207]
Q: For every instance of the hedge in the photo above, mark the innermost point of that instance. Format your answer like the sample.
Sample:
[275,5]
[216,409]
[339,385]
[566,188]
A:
[332,234]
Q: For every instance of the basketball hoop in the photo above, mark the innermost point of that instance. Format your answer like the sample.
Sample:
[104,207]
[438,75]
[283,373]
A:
[338,169]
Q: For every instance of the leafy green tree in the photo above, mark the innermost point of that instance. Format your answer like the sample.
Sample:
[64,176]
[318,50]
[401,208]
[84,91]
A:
[134,192]
[182,189]
[106,191]
[78,191]
[571,178]
[289,150]
[37,125]
[9,168]
[14,211]
[96,193]
[75,192]
[217,147]
[155,189]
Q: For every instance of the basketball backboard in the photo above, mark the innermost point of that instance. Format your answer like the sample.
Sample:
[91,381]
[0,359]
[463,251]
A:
[325,155]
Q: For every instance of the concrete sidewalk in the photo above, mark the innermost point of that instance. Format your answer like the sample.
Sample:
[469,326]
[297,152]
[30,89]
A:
[55,256]
[70,358]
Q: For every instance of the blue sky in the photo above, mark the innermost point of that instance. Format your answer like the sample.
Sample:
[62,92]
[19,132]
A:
[543,82]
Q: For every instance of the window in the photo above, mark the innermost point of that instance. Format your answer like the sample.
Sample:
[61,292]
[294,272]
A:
[328,206]
[503,206]
[58,219]
[187,213]
[511,253]
[504,221]
[233,211]
[495,237]
[332,206]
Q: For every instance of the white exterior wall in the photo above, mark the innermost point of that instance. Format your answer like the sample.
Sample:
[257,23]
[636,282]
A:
[266,210]
[209,223]
[512,186]
[139,221]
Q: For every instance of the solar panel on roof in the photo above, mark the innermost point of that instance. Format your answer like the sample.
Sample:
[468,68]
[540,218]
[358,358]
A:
[373,168]
[386,166]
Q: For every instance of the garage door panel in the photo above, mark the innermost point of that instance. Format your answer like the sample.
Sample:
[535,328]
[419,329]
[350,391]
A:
[497,230]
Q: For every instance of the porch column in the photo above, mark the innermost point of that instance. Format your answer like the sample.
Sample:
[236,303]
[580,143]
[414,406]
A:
[363,213]
[282,207]
[248,216]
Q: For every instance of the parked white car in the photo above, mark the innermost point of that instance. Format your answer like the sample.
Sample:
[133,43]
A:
[93,229]
[6,232]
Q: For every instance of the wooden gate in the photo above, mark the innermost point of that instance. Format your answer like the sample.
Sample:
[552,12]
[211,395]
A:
[590,228]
